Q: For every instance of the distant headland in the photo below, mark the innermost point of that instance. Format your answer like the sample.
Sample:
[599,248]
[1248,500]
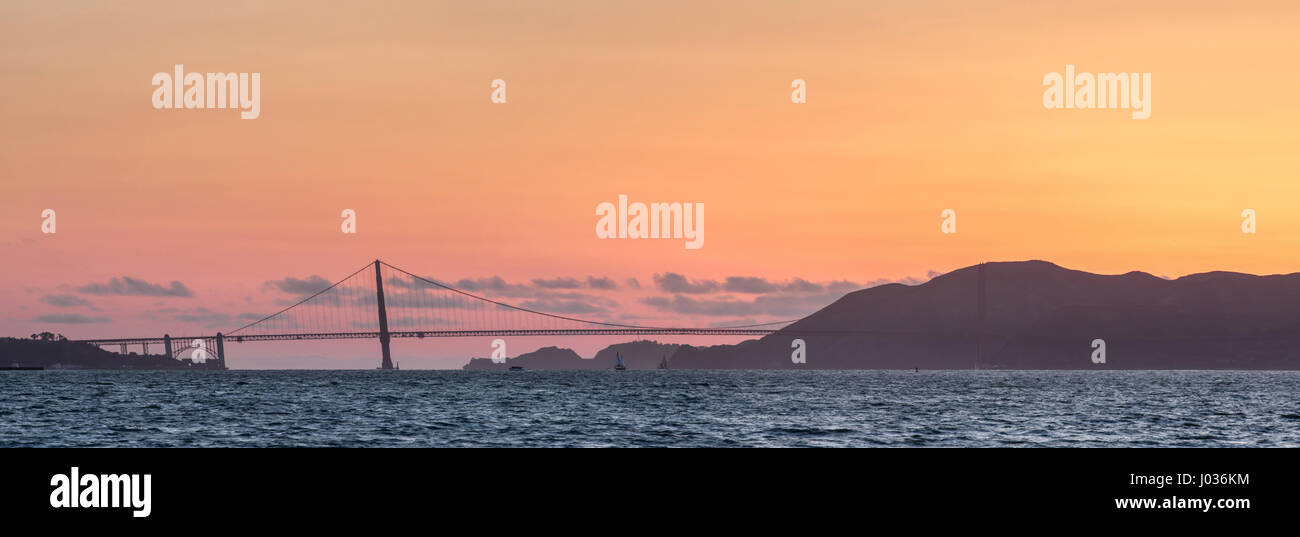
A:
[53,351]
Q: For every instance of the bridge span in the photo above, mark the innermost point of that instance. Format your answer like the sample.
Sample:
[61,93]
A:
[357,307]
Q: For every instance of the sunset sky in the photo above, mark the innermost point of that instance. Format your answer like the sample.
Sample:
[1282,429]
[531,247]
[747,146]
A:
[912,108]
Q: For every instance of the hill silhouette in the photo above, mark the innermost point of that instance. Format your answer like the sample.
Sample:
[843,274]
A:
[1037,316]
[64,354]
[636,355]
[1040,316]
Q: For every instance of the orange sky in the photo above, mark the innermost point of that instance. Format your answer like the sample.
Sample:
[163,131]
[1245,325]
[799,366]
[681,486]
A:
[913,107]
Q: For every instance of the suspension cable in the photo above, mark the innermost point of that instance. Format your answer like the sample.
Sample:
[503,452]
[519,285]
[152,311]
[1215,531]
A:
[318,293]
[552,315]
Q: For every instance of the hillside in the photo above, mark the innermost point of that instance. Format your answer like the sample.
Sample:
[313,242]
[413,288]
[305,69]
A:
[1040,316]
[636,355]
[63,354]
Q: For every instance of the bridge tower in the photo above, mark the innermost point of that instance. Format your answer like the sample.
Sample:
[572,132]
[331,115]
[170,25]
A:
[383,318]
[221,351]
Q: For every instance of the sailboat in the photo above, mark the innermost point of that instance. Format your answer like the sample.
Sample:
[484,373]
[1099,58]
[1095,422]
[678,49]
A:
[618,362]
[663,363]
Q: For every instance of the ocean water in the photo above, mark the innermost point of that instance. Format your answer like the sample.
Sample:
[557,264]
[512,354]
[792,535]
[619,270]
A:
[649,408]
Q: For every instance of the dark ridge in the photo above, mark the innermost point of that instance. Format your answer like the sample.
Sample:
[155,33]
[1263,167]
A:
[1038,315]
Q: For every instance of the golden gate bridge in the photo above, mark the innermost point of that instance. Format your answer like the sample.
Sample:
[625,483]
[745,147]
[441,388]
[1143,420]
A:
[359,307]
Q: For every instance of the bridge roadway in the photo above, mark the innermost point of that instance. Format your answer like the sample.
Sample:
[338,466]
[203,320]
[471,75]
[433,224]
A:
[451,333]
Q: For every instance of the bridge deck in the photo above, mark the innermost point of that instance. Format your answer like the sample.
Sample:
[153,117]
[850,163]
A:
[454,333]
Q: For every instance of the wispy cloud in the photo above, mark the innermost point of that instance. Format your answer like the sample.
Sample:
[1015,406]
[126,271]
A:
[538,287]
[602,283]
[203,316]
[129,286]
[571,303]
[66,301]
[495,285]
[672,282]
[70,318]
[298,286]
[755,285]
[558,283]
[783,306]
[785,299]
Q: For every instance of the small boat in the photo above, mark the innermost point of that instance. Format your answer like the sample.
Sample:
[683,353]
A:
[618,362]
[516,368]
[663,363]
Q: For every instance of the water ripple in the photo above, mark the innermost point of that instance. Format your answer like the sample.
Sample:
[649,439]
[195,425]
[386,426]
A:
[649,408]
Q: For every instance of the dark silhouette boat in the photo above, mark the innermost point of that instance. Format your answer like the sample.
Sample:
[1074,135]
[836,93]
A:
[618,362]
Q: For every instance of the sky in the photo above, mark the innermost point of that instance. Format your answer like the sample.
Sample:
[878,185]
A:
[192,221]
